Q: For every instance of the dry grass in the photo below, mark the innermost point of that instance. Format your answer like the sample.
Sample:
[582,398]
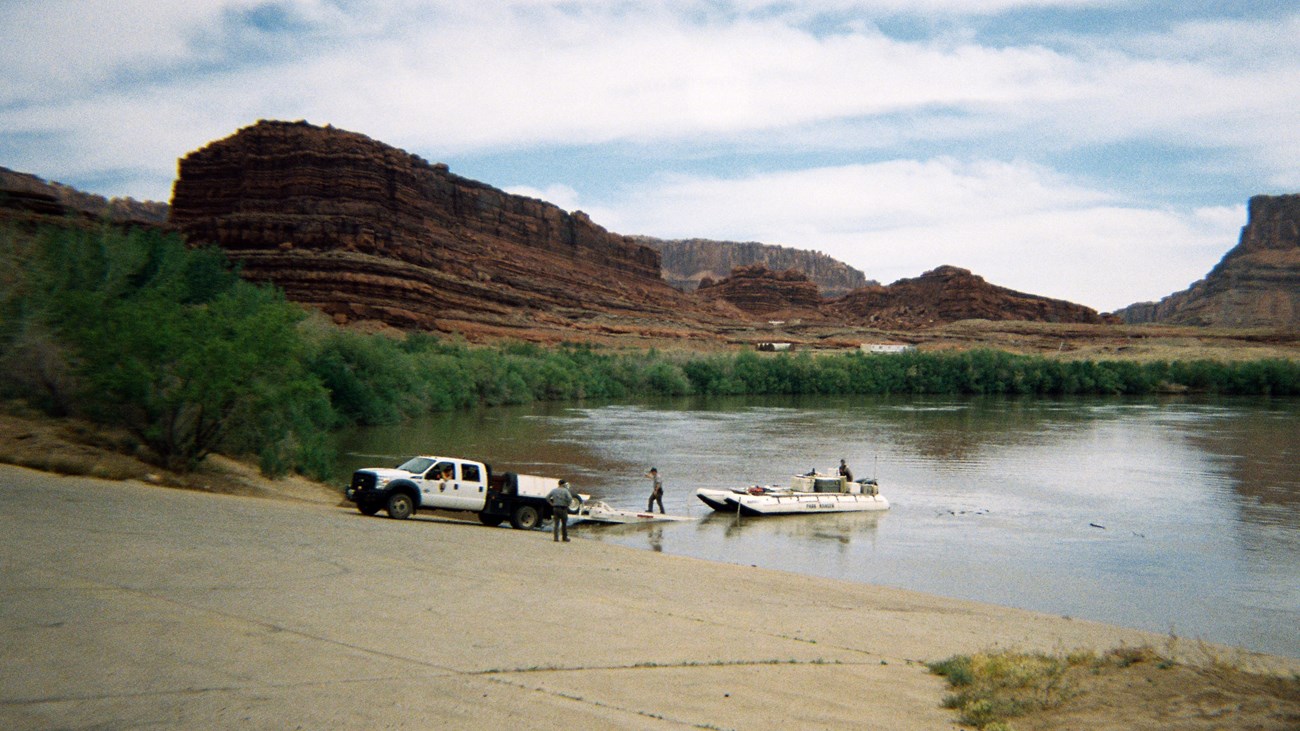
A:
[1128,687]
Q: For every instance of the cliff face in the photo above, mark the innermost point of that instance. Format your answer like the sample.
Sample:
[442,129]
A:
[949,294]
[27,197]
[1256,284]
[365,231]
[759,291]
[688,261]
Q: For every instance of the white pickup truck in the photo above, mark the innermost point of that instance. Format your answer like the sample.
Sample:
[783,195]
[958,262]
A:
[450,483]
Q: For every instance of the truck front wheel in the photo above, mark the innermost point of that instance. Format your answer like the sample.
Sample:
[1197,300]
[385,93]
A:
[400,506]
[526,517]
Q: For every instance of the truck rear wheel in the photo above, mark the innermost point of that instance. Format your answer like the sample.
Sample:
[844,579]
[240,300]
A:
[400,506]
[526,517]
[491,520]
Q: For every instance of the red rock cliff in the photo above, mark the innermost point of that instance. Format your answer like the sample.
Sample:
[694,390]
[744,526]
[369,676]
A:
[26,197]
[687,262]
[759,291]
[949,294]
[366,231]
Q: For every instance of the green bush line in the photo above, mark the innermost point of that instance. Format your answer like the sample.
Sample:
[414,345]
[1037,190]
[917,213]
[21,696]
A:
[133,328]
[376,379]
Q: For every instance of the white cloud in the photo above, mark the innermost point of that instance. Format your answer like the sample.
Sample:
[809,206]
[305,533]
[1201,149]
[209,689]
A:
[1017,225]
[55,46]
[453,77]
[100,89]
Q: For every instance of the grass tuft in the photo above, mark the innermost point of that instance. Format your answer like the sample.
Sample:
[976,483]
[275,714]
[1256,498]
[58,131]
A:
[992,687]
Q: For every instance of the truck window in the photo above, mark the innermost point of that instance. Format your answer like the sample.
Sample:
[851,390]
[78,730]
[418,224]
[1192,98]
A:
[469,473]
[441,467]
[415,464]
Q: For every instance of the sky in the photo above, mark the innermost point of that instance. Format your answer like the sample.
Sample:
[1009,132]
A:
[1097,151]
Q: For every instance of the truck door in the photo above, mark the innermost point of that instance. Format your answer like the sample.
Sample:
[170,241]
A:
[454,486]
[473,485]
[438,490]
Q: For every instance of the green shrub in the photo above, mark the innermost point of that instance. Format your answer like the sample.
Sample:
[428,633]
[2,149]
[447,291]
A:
[164,341]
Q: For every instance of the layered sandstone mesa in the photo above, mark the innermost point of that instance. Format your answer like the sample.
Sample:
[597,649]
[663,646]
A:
[686,262]
[949,294]
[366,231]
[1256,284]
[757,290]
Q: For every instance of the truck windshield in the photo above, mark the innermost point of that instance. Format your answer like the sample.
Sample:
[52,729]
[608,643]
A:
[415,464]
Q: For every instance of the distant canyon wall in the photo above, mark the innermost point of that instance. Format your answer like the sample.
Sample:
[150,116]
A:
[942,295]
[687,262]
[23,195]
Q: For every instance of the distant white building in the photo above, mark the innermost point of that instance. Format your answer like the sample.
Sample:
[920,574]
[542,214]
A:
[772,347]
[886,348]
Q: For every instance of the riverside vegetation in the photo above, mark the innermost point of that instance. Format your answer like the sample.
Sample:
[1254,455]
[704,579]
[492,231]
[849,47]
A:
[133,330]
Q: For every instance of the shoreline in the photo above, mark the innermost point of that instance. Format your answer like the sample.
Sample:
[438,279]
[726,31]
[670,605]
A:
[189,609]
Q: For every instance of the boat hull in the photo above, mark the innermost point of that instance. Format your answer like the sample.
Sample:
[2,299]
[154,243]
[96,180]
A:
[719,500]
[789,503]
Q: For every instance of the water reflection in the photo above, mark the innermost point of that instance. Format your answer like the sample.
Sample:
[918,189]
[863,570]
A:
[1150,513]
[836,529]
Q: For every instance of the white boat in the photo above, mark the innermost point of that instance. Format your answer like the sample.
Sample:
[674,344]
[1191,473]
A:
[810,493]
[598,511]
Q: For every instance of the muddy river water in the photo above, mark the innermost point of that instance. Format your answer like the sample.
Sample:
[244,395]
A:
[1179,516]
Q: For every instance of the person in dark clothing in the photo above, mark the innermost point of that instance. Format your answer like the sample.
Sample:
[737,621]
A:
[845,471]
[560,498]
[656,493]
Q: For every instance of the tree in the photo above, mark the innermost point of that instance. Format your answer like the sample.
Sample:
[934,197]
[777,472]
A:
[176,375]
[172,345]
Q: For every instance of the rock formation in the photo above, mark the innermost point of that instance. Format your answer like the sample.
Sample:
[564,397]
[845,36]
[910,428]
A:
[688,261]
[27,197]
[373,235]
[759,291]
[1256,284]
[365,231]
[949,294]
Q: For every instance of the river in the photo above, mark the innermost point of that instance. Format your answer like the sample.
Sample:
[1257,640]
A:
[1178,516]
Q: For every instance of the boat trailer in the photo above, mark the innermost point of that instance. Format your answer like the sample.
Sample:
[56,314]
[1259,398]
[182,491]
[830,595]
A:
[598,511]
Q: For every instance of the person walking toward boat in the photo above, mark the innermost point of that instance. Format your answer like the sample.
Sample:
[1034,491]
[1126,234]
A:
[656,493]
[560,498]
[845,472]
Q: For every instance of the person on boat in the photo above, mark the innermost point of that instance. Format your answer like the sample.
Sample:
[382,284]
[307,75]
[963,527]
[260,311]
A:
[560,498]
[656,492]
[846,472]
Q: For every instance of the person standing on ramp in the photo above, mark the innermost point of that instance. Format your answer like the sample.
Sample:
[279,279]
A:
[657,493]
[560,498]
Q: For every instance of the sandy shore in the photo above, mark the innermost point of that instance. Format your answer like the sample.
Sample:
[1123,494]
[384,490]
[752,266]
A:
[128,605]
